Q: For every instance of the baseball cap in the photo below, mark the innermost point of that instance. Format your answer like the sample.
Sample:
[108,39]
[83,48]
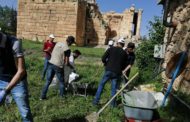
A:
[70,40]
[52,36]
[110,42]
[121,40]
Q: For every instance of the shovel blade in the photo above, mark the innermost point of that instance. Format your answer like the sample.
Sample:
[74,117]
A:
[93,117]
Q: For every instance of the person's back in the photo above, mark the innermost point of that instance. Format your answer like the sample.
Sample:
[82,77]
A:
[116,59]
[58,54]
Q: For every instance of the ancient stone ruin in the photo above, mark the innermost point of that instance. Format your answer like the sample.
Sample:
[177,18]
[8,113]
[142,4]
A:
[178,39]
[80,18]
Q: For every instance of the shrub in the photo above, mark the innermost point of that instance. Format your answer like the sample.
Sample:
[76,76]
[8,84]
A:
[146,62]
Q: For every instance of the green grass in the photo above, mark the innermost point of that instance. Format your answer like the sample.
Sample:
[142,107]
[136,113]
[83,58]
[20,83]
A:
[89,51]
[55,108]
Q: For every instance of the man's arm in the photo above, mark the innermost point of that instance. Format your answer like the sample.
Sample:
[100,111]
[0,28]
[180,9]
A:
[19,62]
[67,54]
[21,71]
[131,62]
[127,68]
[105,56]
[48,49]
[44,46]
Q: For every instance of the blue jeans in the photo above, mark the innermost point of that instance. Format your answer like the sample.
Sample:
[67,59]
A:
[108,75]
[46,62]
[59,72]
[20,95]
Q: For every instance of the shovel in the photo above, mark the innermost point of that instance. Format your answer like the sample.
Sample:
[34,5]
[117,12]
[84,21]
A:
[93,117]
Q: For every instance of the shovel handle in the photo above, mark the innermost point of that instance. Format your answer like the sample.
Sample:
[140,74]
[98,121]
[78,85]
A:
[118,92]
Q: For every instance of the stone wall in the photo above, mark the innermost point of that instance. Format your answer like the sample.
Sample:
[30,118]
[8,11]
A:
[39,18]
[79,18]
[178,39]
[126,24]
[95,28]
[81,23]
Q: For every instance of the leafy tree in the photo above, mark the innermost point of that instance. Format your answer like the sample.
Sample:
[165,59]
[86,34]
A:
[8,20]
[156,30]
[146,62]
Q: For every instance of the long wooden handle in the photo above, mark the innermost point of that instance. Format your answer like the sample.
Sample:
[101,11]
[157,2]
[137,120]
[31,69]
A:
[118,92]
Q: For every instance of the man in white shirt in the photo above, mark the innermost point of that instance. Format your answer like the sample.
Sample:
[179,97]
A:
[71,68]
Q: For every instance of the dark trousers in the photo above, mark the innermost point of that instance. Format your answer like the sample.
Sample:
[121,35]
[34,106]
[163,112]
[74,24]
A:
[59,72]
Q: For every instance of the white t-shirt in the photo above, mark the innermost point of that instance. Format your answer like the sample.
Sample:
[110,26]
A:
[72,60]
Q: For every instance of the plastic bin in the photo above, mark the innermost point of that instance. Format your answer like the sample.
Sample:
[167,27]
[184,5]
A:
[139,105]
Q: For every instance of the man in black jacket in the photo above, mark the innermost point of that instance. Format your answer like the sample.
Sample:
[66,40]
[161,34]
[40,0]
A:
[114,60]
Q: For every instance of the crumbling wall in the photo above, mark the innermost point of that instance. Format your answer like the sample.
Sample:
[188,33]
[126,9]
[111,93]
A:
[81,23]
[126,24]
[95,26]
[79,18]
[178,39]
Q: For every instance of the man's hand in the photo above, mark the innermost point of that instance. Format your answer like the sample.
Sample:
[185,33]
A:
[2,96]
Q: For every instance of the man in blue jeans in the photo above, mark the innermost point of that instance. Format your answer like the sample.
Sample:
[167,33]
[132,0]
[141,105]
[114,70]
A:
[13,75]
[59,58]
[47,49]
[114,60]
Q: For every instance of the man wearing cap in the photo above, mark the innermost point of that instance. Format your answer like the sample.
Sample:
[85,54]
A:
[71,68]
[114,60]
[130,58]
[59,58]
[47,49]
[13,78]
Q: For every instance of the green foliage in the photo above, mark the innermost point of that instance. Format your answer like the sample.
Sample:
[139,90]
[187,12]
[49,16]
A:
[184,97]
[8,20]
[175,111]
[156,30]
[146,62]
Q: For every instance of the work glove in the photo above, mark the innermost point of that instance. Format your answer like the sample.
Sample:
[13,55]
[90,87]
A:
[2,96]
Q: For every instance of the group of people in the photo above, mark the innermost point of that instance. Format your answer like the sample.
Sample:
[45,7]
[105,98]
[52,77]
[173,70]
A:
[13,76]
[59,61]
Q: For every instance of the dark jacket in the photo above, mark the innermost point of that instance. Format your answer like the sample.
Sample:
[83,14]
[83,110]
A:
[115,60]
[7,62]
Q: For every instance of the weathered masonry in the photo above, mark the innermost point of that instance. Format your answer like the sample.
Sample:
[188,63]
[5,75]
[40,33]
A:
[80,18]
[177,39]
